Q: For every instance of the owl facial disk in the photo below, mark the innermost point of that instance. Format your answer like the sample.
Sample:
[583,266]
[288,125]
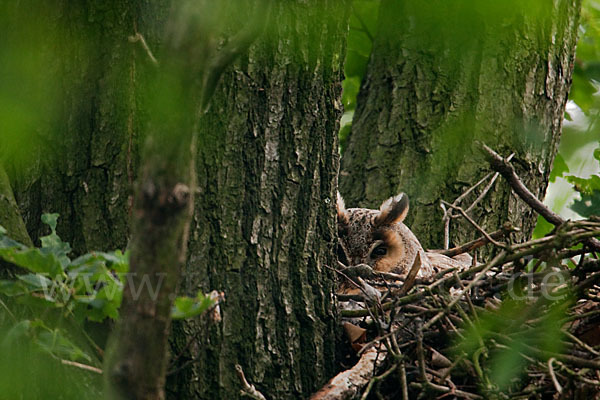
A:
[377,250]
[391,242]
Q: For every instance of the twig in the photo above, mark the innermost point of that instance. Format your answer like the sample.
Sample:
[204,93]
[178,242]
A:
[446,221]
[377,379]
[468,297]
[481,241]
[138,37]
[557,385]
[475,224]
[508,172]
[247,389]
[448,214]
[358,286]
[566,358]
[81,366]
[8,310]
[580,343]
[577,375]
[481,274]
[348,384]
[403,382]
[488,279]
[412,275]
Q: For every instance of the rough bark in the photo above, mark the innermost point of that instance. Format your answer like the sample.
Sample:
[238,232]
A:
[136,356]
[10,216]
[11,220]
[443,76]
[264,227]
[80,159]
[136,359]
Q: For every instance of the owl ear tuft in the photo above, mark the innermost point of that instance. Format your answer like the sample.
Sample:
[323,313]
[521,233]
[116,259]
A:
[342,214]
[393,210]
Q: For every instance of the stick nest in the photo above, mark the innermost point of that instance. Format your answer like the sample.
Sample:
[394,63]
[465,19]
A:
[523,325]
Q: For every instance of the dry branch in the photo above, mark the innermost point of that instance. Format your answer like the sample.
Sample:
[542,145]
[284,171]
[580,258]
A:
[425,321]
[348,384]
[508,172]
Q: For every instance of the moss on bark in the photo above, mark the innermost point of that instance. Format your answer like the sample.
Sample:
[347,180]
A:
[443,76]
[264,227]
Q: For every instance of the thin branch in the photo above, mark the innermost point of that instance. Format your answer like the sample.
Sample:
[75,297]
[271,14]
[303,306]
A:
[138,37]
[481,241]
[81,366]
[347,384]
[247,389]
[481,274]
[557,385]
[412,275]
[377,379]
[508,172]
[475,224]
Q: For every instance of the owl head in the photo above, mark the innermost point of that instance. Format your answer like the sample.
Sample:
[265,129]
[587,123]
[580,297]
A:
[378,238]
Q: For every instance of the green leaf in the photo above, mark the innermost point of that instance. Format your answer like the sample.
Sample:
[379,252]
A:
[367,12]
[588,205]
[36,281]
[56,344]
[359,42]
[585,186]
[507,364]
[187,307]
[506,325]
[105,303]
[356,64]
[350,89]
[32,259]
[559,168]
[117,261]
[52,243]
[18,332]
[12,288]
[50,220]
[597,154]
[40,301]
[542,228]
[8,243]
[583,90]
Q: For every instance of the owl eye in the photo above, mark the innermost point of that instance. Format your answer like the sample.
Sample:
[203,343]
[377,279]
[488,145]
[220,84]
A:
[379,251]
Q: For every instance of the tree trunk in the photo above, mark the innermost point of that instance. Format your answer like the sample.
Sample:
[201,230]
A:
[11,220]
[264,228]
[10,216]
[444,77]
[79,160]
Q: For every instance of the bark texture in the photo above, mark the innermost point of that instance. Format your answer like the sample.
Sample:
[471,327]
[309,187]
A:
[136,358]
[80,159]
[443,76]
[11,220]
[264,228]
[10,216]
